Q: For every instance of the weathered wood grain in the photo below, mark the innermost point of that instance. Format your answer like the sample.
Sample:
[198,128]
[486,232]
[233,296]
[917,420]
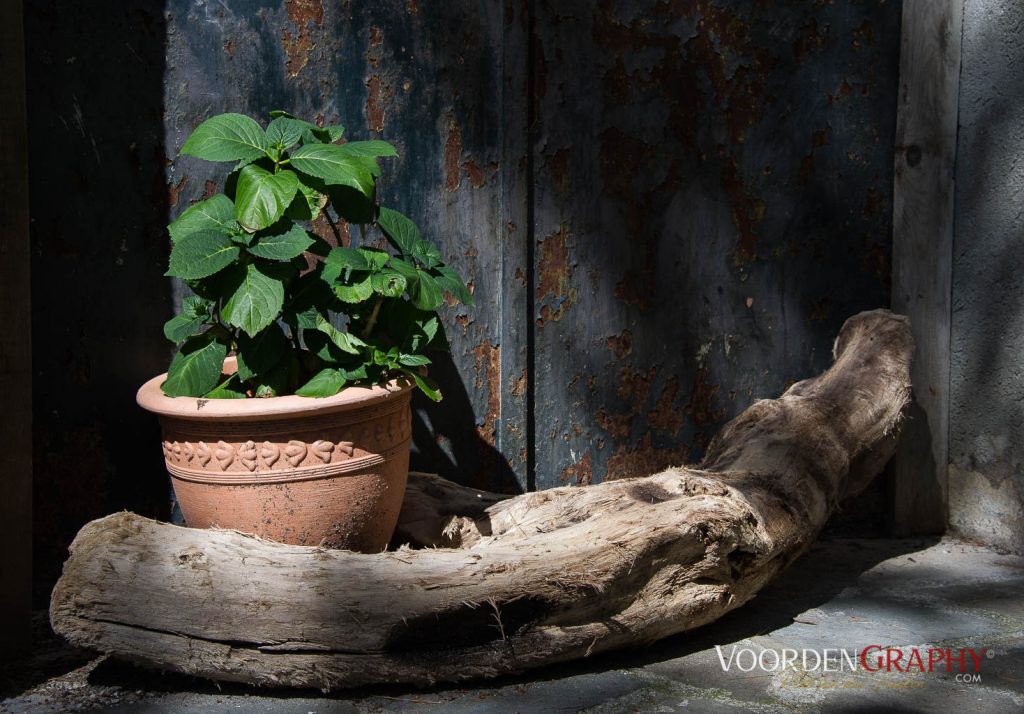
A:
[524,581]
[15,340]
[923,200]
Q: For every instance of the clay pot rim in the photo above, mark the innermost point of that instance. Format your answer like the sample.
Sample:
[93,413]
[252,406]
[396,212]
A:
[151,398]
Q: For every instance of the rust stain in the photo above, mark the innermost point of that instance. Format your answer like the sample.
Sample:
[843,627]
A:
[618,425]
[702,397]
[452,154]
[819,138]
[873,204]
[809,41]
[477,179]
[666,416]
[411,7]
[580,473]
[747,210]
[643,460]
[865,34]
[519,385]
[374,54]
[302,14]
[622,157]
[229,48]
[174,191]
[818,311]
[209,189]
[377,94]
[520,277]
[463,321]
[558,168]
[322,228]
[488,373]
[555,276]
[634,386]
[878,262]
[621,344]
[628,292]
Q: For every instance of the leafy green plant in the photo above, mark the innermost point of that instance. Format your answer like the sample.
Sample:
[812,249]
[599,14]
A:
[271,291]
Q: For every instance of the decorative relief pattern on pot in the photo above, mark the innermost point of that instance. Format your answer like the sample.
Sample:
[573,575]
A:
[225,454]
[323,450]
[295,452]
[252,456]
[247,455]
[270,453]
[203,454]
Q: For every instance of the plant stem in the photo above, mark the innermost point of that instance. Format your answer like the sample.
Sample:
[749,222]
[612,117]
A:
[371,322]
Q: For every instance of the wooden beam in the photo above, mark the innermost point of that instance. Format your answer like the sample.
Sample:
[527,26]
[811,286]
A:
[509,583]
[923,251]
[15,340]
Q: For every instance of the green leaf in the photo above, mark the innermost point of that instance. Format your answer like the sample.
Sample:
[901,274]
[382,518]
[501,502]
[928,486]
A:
[195,306]
[351,205]
[333,132]
[345,341]
[279,379]
[230,388]
[370,149]
[356,292]
[227,137]
[306,295]
[285,132]
[425,252]
[375,258]
[179,328]
[320,345]
[256,300]
[341,261]
[196,369]
[195,312]
[450,281]
[425,293]
[413,360]
[388,283]
[216,213]
[258,355]
[401,231]
[283,245]
[326,383]
[354,374]
[426,385]
[261,197]
[307,204]
[334,165]
[429,327]
[198,255]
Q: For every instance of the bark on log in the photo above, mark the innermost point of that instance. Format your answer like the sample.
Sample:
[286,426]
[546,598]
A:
[514,583]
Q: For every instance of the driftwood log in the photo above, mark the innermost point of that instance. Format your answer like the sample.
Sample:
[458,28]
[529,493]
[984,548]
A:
[509,583]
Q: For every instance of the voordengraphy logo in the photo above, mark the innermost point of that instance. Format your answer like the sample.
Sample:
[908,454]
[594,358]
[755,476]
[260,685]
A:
[876,658]
[873,658]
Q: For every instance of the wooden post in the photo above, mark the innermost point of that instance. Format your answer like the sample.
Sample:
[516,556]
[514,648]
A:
[923,251]
[15,341]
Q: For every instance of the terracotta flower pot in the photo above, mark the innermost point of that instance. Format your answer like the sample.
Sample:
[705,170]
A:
[293,469]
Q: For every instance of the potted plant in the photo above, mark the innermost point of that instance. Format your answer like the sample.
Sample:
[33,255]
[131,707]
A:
[285,411]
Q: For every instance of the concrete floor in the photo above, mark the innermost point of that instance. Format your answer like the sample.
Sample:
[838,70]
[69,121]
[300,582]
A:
[843,595]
